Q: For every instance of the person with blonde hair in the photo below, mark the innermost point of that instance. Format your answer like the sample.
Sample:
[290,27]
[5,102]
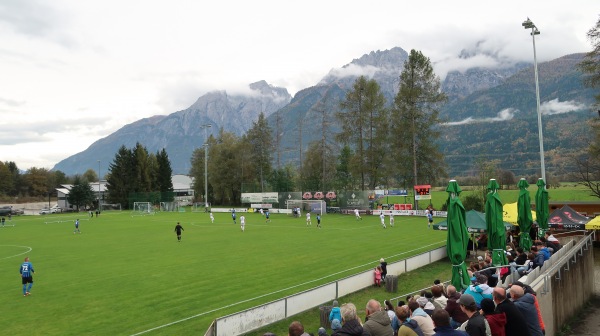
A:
[350,322]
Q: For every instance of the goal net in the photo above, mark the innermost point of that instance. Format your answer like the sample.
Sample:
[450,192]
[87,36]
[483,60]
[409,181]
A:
[312,206]
[169,206]
[199,207]
[110,207]
[142,209]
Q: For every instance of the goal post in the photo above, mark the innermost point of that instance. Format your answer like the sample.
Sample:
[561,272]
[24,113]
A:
[312,206]
[169,206]
[110,207]
[142,209]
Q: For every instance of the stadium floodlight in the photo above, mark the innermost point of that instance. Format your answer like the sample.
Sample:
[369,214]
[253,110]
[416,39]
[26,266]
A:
[534,31]
[206,126]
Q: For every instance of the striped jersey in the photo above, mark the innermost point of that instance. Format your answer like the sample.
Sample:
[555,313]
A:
[26,269]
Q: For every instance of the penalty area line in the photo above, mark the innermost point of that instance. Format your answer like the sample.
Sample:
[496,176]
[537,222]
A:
[271,293]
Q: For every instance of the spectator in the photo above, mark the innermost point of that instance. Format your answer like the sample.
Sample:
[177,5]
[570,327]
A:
[423,319]
[335,325]
[322,332]
[476,324]
[426,305]
[515,322]
[296,329]
[335,312]
[378,322]
[377,274]
[441,320]
[525,302]
[437,282]
[439,300]
[403,325]
[521,258]
[389,309]
[496,321]
[457,316]
[351,326]
[539,257]
[479,289]
[553,247]
[383,265]
[544,251]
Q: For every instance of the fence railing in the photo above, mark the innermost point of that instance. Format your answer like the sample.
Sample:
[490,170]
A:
[259,316]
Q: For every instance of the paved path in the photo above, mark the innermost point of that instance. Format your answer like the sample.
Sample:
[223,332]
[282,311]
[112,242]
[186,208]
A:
[590,325]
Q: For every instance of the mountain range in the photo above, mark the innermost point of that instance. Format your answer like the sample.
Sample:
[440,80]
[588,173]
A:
[490,114]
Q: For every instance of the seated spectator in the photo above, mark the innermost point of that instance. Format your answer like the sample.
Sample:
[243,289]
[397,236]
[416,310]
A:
[538,261]
[439,300]
[389,309]
[377,322]
[403,325]
[496,321]
[476,324]
[335,325]
[322,332]
[479,289]
[423,319]
[441,320]
[544,251]
[296,329]
[549,237]
[351,324]
[525,302]
[521,258]
[482,241]
[457,316]
[426,305]
[529,265]
[550,245]
[437,282]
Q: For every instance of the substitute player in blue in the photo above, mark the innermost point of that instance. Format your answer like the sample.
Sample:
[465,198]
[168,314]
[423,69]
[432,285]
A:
[26,271]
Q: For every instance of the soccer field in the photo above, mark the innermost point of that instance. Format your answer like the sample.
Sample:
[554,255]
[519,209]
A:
[125,275]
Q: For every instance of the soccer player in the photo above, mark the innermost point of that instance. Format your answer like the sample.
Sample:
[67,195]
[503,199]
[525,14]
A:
[357,214]
[76,227]
[262,212]
[391,219]
[243,222]
[26,271]
[319,221]
[212,218]
[429,218]
[267,219]
[233,216]
[308,221]
[382,217]
[178,229]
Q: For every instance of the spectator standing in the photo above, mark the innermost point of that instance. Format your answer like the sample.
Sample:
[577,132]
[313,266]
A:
[377,275]
[515,322]
[335,312]
[525,302]
[383,265]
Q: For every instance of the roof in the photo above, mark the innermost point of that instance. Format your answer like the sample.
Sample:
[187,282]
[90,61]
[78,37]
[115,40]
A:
[567,218]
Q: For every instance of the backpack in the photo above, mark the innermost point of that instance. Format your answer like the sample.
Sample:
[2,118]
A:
[412,324]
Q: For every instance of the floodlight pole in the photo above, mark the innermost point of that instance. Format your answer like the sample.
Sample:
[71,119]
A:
[534,31]
[99,196]
[206,126]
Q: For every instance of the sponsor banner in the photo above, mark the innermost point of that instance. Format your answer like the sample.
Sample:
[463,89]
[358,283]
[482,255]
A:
[261,206]
[270,197]
[267,197]
[422,197]
[397,192]
[409,213]
[289,196]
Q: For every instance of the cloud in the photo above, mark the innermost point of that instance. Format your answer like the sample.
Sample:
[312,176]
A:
[15,132]
[506,114]
[354,70]
[556,107]
[11,102]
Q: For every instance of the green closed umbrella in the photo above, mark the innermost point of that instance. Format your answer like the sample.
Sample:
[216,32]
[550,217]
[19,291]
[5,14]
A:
[458,237]
[524,218]
[495,225]
[541,207]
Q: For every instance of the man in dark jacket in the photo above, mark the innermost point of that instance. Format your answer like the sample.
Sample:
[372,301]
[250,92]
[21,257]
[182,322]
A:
[526,305]
[351,325]
[378,321]
[515,323]
[476,322]
[441,319]
[457,316]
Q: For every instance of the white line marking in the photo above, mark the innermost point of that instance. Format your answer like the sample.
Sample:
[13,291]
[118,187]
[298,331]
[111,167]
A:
[275,292]
[16,255]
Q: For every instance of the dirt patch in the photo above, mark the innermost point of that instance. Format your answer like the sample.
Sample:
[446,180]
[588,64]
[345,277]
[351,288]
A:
[586,324]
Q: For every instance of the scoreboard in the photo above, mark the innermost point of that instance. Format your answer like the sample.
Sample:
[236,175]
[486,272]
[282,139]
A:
[422,192]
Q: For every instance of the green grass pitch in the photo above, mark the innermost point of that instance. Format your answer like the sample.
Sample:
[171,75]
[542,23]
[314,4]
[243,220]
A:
[125,275]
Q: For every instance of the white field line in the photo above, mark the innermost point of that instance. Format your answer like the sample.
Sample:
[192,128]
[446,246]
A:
[277,291]
[16,255]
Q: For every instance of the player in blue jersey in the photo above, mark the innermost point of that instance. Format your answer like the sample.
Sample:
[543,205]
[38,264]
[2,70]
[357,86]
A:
[178,229]
[26,271]
[233,216]
[76,227]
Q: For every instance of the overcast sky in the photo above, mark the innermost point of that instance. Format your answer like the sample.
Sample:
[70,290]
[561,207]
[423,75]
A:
[72,72]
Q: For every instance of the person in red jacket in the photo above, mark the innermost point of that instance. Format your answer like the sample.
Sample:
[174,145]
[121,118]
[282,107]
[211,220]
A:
[497,321]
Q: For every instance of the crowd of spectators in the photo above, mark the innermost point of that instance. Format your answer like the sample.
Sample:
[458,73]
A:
[481,309]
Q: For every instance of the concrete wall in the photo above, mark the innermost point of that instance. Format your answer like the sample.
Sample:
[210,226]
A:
[256,317]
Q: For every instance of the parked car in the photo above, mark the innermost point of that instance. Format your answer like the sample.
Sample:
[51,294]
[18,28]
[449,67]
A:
[52,210]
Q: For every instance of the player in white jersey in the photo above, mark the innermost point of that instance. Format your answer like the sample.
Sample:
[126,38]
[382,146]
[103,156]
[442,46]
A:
[243,222]
[357,214]
[308,221]
[391,219]
[382,217]
[261,211]
[212,218]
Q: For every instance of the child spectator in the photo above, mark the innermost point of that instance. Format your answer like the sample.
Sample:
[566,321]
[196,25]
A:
[378,276]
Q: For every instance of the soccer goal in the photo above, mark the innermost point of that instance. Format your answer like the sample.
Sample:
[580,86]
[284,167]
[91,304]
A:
[169,206]
[199,207]
[142,209]
[110,207]
[313,206]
